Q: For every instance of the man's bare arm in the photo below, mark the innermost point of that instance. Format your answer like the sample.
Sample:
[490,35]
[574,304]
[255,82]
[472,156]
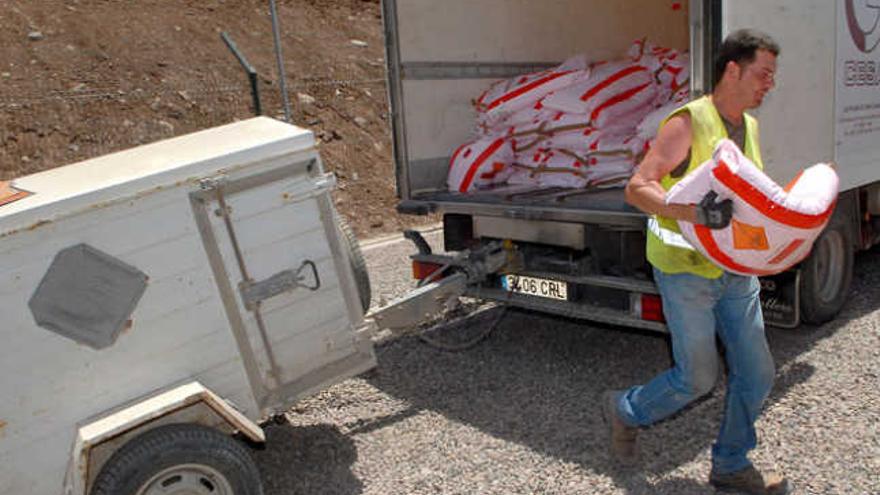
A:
[670,148]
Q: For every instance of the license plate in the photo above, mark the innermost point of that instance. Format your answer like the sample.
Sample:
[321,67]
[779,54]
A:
[534,286]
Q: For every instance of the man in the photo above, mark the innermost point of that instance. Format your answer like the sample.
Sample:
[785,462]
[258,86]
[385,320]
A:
[700,300]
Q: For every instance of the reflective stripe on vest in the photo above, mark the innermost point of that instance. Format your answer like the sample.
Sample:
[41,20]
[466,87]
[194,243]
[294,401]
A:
[668,237]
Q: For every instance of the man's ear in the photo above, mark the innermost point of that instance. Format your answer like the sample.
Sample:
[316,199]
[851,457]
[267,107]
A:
[733,69]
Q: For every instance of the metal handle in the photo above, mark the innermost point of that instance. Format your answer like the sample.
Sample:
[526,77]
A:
[252,293]
[310,264]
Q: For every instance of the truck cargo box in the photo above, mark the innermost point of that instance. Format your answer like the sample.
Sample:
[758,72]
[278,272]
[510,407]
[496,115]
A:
[443,55]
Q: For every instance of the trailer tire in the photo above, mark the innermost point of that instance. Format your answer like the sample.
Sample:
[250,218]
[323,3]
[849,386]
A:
[358,263]
[827,274]
[197,458]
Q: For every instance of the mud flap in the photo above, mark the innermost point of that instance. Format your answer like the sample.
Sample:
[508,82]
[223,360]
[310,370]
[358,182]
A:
[780,299]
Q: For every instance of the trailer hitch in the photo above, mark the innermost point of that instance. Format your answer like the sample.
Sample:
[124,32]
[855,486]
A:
[469,267]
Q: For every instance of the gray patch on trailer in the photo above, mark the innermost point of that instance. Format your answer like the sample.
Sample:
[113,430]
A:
[87,295]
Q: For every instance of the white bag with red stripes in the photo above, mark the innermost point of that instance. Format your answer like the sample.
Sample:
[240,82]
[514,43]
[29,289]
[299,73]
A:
[650,124]
[562,170]
[581,118]
[612,90]
[568,132]
[503,99]
[556,170]
[550,123]
[524,121]
[671,68]
[610,172]
[597,145]
[480,163]
[772,227]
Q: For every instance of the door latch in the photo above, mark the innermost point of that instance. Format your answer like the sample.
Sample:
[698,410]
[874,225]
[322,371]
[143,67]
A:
[306,276]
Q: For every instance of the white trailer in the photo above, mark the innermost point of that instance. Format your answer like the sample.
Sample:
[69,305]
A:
[590,244]
[153,296]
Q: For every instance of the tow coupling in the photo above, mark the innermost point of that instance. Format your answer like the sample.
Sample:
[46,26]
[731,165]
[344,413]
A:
[439,291]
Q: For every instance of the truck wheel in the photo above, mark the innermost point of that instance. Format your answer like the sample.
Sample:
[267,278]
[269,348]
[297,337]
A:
[826,274]
[358,264]
[180,459]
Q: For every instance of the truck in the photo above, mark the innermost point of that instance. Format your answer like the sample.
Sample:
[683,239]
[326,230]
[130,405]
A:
[581,253]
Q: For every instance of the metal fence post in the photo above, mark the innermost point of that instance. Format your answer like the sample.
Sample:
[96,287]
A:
[251,72]
[277,36]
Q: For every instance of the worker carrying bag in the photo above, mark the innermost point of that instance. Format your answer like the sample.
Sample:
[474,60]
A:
[772,228]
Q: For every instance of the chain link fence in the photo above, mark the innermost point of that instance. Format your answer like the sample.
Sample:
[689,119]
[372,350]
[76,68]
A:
[46,128]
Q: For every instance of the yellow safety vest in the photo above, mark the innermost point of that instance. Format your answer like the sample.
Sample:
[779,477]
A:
[667,249]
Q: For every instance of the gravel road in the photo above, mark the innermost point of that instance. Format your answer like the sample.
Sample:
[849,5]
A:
[518,413]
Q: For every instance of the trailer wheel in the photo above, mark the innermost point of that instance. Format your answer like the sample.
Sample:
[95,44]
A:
[358,263]
[180,459]
[826,274]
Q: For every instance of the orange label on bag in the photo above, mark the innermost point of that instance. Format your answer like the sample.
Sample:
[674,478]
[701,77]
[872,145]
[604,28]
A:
[747,236]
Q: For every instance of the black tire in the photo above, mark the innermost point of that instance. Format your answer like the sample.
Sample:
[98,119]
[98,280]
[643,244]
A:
[827,273]
[358,263]
[195,456]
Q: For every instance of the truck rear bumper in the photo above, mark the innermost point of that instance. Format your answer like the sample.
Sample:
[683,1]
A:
[607,299]
[622,300]
[583,311]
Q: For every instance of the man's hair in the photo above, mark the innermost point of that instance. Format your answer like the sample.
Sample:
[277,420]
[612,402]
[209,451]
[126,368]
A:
[740,46]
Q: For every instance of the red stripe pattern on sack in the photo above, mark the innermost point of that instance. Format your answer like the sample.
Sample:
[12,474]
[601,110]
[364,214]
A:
[765,205]
[611,80]
[704,234]
[617,99]
[472,171]
[785,253]
[528,87]
[455,155]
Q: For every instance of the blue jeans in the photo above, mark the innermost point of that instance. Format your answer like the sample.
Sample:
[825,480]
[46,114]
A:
[696,308]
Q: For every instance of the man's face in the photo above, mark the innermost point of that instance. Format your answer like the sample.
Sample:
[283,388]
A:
[756,79]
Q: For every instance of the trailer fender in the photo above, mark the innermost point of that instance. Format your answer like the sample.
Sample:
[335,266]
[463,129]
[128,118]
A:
[99,437]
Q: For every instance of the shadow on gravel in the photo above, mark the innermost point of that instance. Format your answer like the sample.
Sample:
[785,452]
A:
[537,381]
[307,460]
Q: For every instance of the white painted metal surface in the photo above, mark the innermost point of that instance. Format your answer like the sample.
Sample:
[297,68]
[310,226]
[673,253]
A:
[141,207]
[797,118]
[857,85]
[532,31]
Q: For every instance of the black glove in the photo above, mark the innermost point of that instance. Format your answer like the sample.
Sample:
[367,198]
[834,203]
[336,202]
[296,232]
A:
[714,214]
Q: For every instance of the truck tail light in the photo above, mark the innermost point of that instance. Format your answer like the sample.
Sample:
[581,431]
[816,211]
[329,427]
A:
[652,308]
[424,269]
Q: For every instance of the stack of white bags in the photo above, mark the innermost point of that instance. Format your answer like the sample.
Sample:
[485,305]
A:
[577,125]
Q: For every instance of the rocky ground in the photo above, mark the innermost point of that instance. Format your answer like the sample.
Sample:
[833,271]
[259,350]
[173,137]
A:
[81,78]
[519,412]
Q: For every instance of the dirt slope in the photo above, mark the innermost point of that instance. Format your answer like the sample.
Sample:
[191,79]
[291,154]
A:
[81,78]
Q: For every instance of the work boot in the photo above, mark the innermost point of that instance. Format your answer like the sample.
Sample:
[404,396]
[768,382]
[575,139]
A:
[750,481]
[623,444]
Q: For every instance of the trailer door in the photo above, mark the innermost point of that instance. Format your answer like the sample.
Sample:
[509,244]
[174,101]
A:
[285,279]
